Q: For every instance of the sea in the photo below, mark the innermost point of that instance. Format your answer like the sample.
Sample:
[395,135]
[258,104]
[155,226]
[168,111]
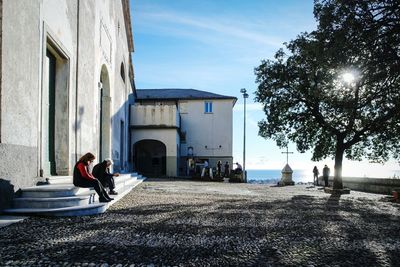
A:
[300,176]
[274,176]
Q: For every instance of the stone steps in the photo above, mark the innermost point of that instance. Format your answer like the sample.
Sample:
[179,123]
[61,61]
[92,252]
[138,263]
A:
[55,202]
[89,209]
[53,191]
[64,199]
[57,180]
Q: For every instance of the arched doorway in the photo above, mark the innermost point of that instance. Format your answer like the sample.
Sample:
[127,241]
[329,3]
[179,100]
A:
[150,158]
[105,115]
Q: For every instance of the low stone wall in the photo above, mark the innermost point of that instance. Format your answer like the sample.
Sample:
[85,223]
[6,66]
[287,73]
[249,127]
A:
[365,184]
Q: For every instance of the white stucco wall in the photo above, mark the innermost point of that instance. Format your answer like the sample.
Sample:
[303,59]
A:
[109,49]
[20,70]
[166,115]
[208,129]
[26,27]
[169,137]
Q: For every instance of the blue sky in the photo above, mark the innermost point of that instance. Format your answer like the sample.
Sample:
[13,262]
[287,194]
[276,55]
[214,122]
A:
[214,45]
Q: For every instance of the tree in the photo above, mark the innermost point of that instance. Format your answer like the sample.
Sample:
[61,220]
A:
[336,90]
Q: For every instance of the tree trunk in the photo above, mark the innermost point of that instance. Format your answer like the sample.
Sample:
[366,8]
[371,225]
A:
[337,179]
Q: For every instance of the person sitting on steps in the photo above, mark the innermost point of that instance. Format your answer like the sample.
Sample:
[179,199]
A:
[82,177]
[102,172]
[239,168]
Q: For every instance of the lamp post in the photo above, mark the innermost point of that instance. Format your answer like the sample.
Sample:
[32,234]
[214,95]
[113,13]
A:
[245,95]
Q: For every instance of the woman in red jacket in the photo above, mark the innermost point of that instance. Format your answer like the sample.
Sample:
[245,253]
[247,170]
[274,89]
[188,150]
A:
[82,177]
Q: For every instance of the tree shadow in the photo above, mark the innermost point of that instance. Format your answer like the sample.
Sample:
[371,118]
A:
[233,231]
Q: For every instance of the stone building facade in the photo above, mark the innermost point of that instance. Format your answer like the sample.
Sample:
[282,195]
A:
[66,80]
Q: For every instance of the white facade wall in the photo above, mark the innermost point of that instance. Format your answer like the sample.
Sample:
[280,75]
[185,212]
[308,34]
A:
[91,40]
[213,130]
[165,115]
[20,71]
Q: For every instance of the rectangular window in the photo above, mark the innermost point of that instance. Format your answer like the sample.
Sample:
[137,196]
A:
[208,107]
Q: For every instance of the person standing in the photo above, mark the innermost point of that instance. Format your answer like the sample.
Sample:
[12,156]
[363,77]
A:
[83,178]
[219,168]
[325,173]
[205,169]
[226,169]
[102,172]
[316,173]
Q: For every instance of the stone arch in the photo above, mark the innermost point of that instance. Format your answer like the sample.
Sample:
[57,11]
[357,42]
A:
[105,115]
[150,157]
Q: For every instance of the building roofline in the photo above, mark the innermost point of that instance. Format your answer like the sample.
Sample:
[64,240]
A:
[129,37]
[128,24]
[189,97]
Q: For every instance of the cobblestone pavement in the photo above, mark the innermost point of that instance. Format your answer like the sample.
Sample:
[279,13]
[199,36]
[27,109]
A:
[185,223]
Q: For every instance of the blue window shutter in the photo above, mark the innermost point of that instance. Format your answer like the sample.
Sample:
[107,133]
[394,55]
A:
[208,107]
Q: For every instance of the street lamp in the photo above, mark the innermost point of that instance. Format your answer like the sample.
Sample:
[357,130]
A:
[245,95]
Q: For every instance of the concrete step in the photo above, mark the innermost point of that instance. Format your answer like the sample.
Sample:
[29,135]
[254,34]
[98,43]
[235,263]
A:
[50,203]
[59,180]
[6,220]
[53,191]
[35,200]
[89,209]
[56,180]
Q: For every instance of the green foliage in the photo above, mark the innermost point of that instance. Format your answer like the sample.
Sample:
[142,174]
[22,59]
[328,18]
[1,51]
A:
[306,100]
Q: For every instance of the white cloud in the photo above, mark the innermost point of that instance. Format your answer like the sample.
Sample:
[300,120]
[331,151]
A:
[175,23]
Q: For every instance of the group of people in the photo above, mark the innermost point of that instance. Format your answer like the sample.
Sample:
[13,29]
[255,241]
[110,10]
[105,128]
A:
[99,177]
[227,170]
[325,174]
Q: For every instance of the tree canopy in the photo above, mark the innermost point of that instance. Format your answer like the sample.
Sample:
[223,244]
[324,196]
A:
[336,90]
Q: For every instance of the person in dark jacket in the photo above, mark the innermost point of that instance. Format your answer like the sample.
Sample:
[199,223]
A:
[219,168]
[83,178]
[226,169]
[102,172]
[316,173]
[325,173]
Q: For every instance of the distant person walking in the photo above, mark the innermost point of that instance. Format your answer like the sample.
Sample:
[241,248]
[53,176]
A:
[316,173]
[325,173]
[226,169]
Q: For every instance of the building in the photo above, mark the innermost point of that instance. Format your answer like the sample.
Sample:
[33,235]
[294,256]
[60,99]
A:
[172,130]
[66,76]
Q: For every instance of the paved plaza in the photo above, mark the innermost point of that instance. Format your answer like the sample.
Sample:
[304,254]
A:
[186,223]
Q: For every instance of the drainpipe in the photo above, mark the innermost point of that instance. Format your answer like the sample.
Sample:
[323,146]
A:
[76,82]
